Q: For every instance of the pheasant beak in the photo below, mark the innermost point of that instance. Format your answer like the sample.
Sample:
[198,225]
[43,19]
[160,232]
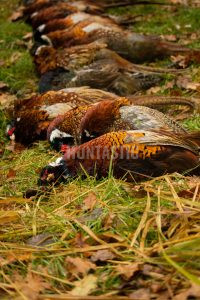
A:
[50,177]
[46,176]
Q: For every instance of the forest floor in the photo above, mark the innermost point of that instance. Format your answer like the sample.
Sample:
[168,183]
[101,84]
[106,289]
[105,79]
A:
[94,239]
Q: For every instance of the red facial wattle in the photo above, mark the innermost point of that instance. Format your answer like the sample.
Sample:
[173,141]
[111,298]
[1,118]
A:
[64,148]
[11,131]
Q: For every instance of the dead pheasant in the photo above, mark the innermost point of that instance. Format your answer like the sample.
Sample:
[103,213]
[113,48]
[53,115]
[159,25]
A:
[32,116]
[60,10]
[48,58]
[107,116]
[87,122]
[135,155]
[101,74]
[84,5]
[42,5]
[93,65]
[72,20]
[132,46]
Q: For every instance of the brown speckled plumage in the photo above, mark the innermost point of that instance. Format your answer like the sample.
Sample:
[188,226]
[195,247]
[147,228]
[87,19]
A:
[102,118]
[72,20]
[132,46]
[40,5]
[70,122]
[134,154]
[60,10]
[32,116]
[87,122]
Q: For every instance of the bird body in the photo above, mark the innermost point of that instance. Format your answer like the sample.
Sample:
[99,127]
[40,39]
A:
[103,73]
[59,10]
[73,58]
[87,122]
[84,5]
[48,58]
[32,116]
[132,46]
[106,117]
[135,154]
[79,33]
[72,20]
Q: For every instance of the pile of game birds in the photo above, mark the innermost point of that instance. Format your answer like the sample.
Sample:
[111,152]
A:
[87,106]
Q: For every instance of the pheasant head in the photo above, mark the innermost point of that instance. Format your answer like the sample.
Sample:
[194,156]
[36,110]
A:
[54,173]
[45,59]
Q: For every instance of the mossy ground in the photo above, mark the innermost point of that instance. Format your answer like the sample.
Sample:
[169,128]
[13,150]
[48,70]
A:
[148,224]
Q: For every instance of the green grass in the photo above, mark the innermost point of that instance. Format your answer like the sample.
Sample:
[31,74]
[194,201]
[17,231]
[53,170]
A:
[135,222]
[18,73]
[162,20]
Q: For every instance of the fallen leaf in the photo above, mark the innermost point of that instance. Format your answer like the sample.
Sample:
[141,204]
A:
[192,181]
[194,36]
[2,62]
[11,146]
[27,36]
[127,271]
[102,255]
[193,291]
[136,191]
[156,287]
[188,194]
[187,83]
[85,286]
[40,240]
[193,86]
[24,43]
[16,15]
[108,221]
[7,100]
[14,57]
[11,173]
[142,294]
[154,90]
[169,37]
[14,147]
[183,115]
[169,85]
[154,272]
[79,265]
[3,85]
[90,201]
[180,60]
[31,285]
[15,257]
[91,216]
